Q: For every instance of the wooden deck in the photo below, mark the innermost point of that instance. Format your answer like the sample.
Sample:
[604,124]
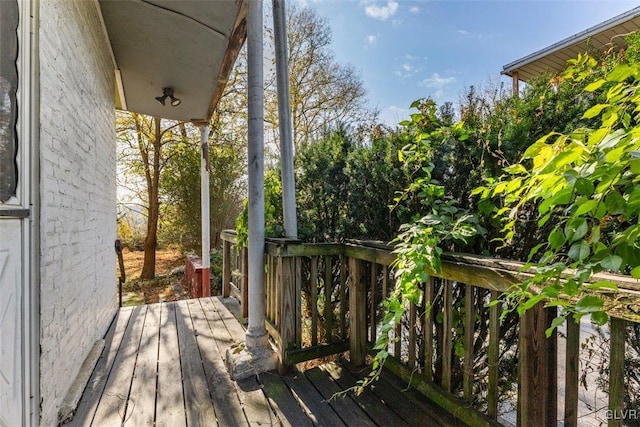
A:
[163,365]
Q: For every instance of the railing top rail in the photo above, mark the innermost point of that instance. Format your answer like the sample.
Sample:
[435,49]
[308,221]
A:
[481,271]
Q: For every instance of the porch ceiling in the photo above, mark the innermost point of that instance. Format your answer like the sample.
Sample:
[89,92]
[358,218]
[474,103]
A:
[554,58]
[187,45]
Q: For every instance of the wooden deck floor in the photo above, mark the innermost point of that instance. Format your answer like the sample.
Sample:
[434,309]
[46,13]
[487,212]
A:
[163,365]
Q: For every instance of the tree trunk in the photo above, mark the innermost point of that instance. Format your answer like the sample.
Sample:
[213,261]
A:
[152,174]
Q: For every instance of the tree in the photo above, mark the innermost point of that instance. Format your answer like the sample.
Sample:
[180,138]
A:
[180,189]
[323,92]
[143,155]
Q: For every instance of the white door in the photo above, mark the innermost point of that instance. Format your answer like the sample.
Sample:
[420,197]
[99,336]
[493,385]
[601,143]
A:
[11,322]
[15,357]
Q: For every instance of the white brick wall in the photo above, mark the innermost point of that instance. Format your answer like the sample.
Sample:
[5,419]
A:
[78,193]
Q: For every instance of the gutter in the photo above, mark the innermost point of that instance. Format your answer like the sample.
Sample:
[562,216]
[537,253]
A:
[583,35]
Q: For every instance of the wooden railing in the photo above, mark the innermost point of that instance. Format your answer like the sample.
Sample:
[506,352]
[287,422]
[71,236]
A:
[325,299]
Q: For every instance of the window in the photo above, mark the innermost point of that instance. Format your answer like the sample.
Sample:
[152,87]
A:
[8,106]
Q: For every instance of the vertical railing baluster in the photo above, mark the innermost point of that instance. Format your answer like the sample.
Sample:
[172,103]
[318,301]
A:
[412,336]
[357,312]
[447,338]
[226,268]
[343,297]
[373,282]
[428,329]
[616,372]
[469,333]
[571,373]
[244,291]
[328,304]
[314,301]
[494,353]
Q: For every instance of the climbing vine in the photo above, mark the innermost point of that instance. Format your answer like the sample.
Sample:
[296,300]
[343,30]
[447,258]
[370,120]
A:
[586,184]
[583,186]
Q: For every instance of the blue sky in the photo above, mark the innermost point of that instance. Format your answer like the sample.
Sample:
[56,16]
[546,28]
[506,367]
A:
[409,49]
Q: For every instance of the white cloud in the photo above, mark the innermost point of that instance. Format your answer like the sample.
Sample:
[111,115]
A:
[393,115]
[414,9]
[437,81]
[406,70]
[463,32]
[382,12]
[371,39]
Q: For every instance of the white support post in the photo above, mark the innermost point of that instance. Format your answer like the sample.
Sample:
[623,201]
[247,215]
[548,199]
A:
[284,120]
[256,332]
[258,356]
[204,197]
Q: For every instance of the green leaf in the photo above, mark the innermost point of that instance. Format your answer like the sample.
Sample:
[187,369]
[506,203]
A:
[595,85]
[620,73]
[579,251]
[612,262]
[554,324]
[586,206]
[571,288]
[584,187]
[615,203]
[576,229]
[531,302]
[556,238]
[594,111]
[635,272]
[599,318]
[602,284]
[589,304]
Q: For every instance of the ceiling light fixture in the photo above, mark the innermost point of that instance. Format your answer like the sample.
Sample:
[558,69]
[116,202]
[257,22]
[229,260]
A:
[167,92]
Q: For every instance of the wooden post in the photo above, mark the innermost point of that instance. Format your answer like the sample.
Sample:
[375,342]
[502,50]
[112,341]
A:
[357,313]
[469,335]
[226,269]
[494,357]
[616,372]
[572,372]
[244,291]
[537,387]
[516,84]
[288,307]
[428,329]
[447,334]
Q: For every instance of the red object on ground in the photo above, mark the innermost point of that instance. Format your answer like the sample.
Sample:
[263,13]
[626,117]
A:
[197,277]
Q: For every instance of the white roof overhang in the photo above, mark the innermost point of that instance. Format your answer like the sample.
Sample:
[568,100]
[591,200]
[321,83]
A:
[189,46]
[554,58]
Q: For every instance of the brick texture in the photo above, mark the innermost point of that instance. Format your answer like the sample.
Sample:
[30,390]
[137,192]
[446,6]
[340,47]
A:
[78,193]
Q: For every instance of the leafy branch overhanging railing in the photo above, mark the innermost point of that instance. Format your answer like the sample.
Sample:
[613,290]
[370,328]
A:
[325,299]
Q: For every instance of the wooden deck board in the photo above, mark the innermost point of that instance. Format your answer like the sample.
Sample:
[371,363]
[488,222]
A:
[283,402]
[198,402]
[372,405]
[163,365]
[93,392]
[226,403]
[320,412]
[113,403]
[141,406]
[254,403]
[170,398]
[342,404]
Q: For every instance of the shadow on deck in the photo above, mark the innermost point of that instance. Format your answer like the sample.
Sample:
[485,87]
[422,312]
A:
[163,364]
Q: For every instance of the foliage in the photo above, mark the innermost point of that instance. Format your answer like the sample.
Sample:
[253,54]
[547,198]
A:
[143,152]
[272,210]
[180,190]
[421,242]
[587,181]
